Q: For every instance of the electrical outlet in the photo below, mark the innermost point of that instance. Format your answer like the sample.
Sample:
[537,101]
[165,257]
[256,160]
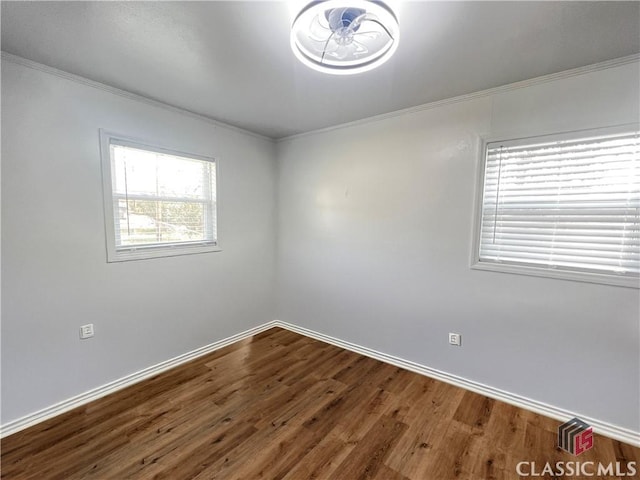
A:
[455,339]
[86,331]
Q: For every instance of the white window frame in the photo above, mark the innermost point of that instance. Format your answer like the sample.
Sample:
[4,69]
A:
[548,272]
[121,254]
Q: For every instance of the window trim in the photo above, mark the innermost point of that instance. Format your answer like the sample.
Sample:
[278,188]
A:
[550,272]
[143,252]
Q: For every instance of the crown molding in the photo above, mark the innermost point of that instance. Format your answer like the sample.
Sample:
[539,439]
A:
[126,94]
[616,62]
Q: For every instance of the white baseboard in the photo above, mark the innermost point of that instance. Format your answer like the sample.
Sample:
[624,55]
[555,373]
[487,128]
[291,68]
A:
[84,398]
[607,429]
[603,428]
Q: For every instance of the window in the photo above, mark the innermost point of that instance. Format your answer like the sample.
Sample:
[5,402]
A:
[564,206]
[158,202]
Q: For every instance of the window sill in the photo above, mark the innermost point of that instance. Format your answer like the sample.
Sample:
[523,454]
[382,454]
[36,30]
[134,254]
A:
[588,277]
[144,253]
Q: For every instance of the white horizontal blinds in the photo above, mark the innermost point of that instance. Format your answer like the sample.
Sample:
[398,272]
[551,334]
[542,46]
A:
[161,199]
[570,204]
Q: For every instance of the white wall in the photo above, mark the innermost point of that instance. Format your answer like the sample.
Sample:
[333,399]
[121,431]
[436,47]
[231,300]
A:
[54,271]
[373,235]
[375,227]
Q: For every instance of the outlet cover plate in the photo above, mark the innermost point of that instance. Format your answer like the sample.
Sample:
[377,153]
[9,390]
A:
[86,331]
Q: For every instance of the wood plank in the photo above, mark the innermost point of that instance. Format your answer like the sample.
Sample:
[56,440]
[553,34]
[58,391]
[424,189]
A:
[283,406]
[369,454]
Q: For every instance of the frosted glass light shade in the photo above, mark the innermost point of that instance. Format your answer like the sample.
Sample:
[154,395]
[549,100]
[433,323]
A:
[345,36]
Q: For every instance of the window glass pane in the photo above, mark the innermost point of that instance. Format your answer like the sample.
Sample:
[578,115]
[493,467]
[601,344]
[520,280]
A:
[571,204]
[161,199]
[148,222]
[141,172]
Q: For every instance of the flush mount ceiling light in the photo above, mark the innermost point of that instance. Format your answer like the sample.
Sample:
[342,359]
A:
[345,36]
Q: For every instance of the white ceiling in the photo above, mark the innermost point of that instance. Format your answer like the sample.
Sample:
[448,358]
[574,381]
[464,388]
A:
[231,60]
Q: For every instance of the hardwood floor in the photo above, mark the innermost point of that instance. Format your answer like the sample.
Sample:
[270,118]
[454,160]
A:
[283,406]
